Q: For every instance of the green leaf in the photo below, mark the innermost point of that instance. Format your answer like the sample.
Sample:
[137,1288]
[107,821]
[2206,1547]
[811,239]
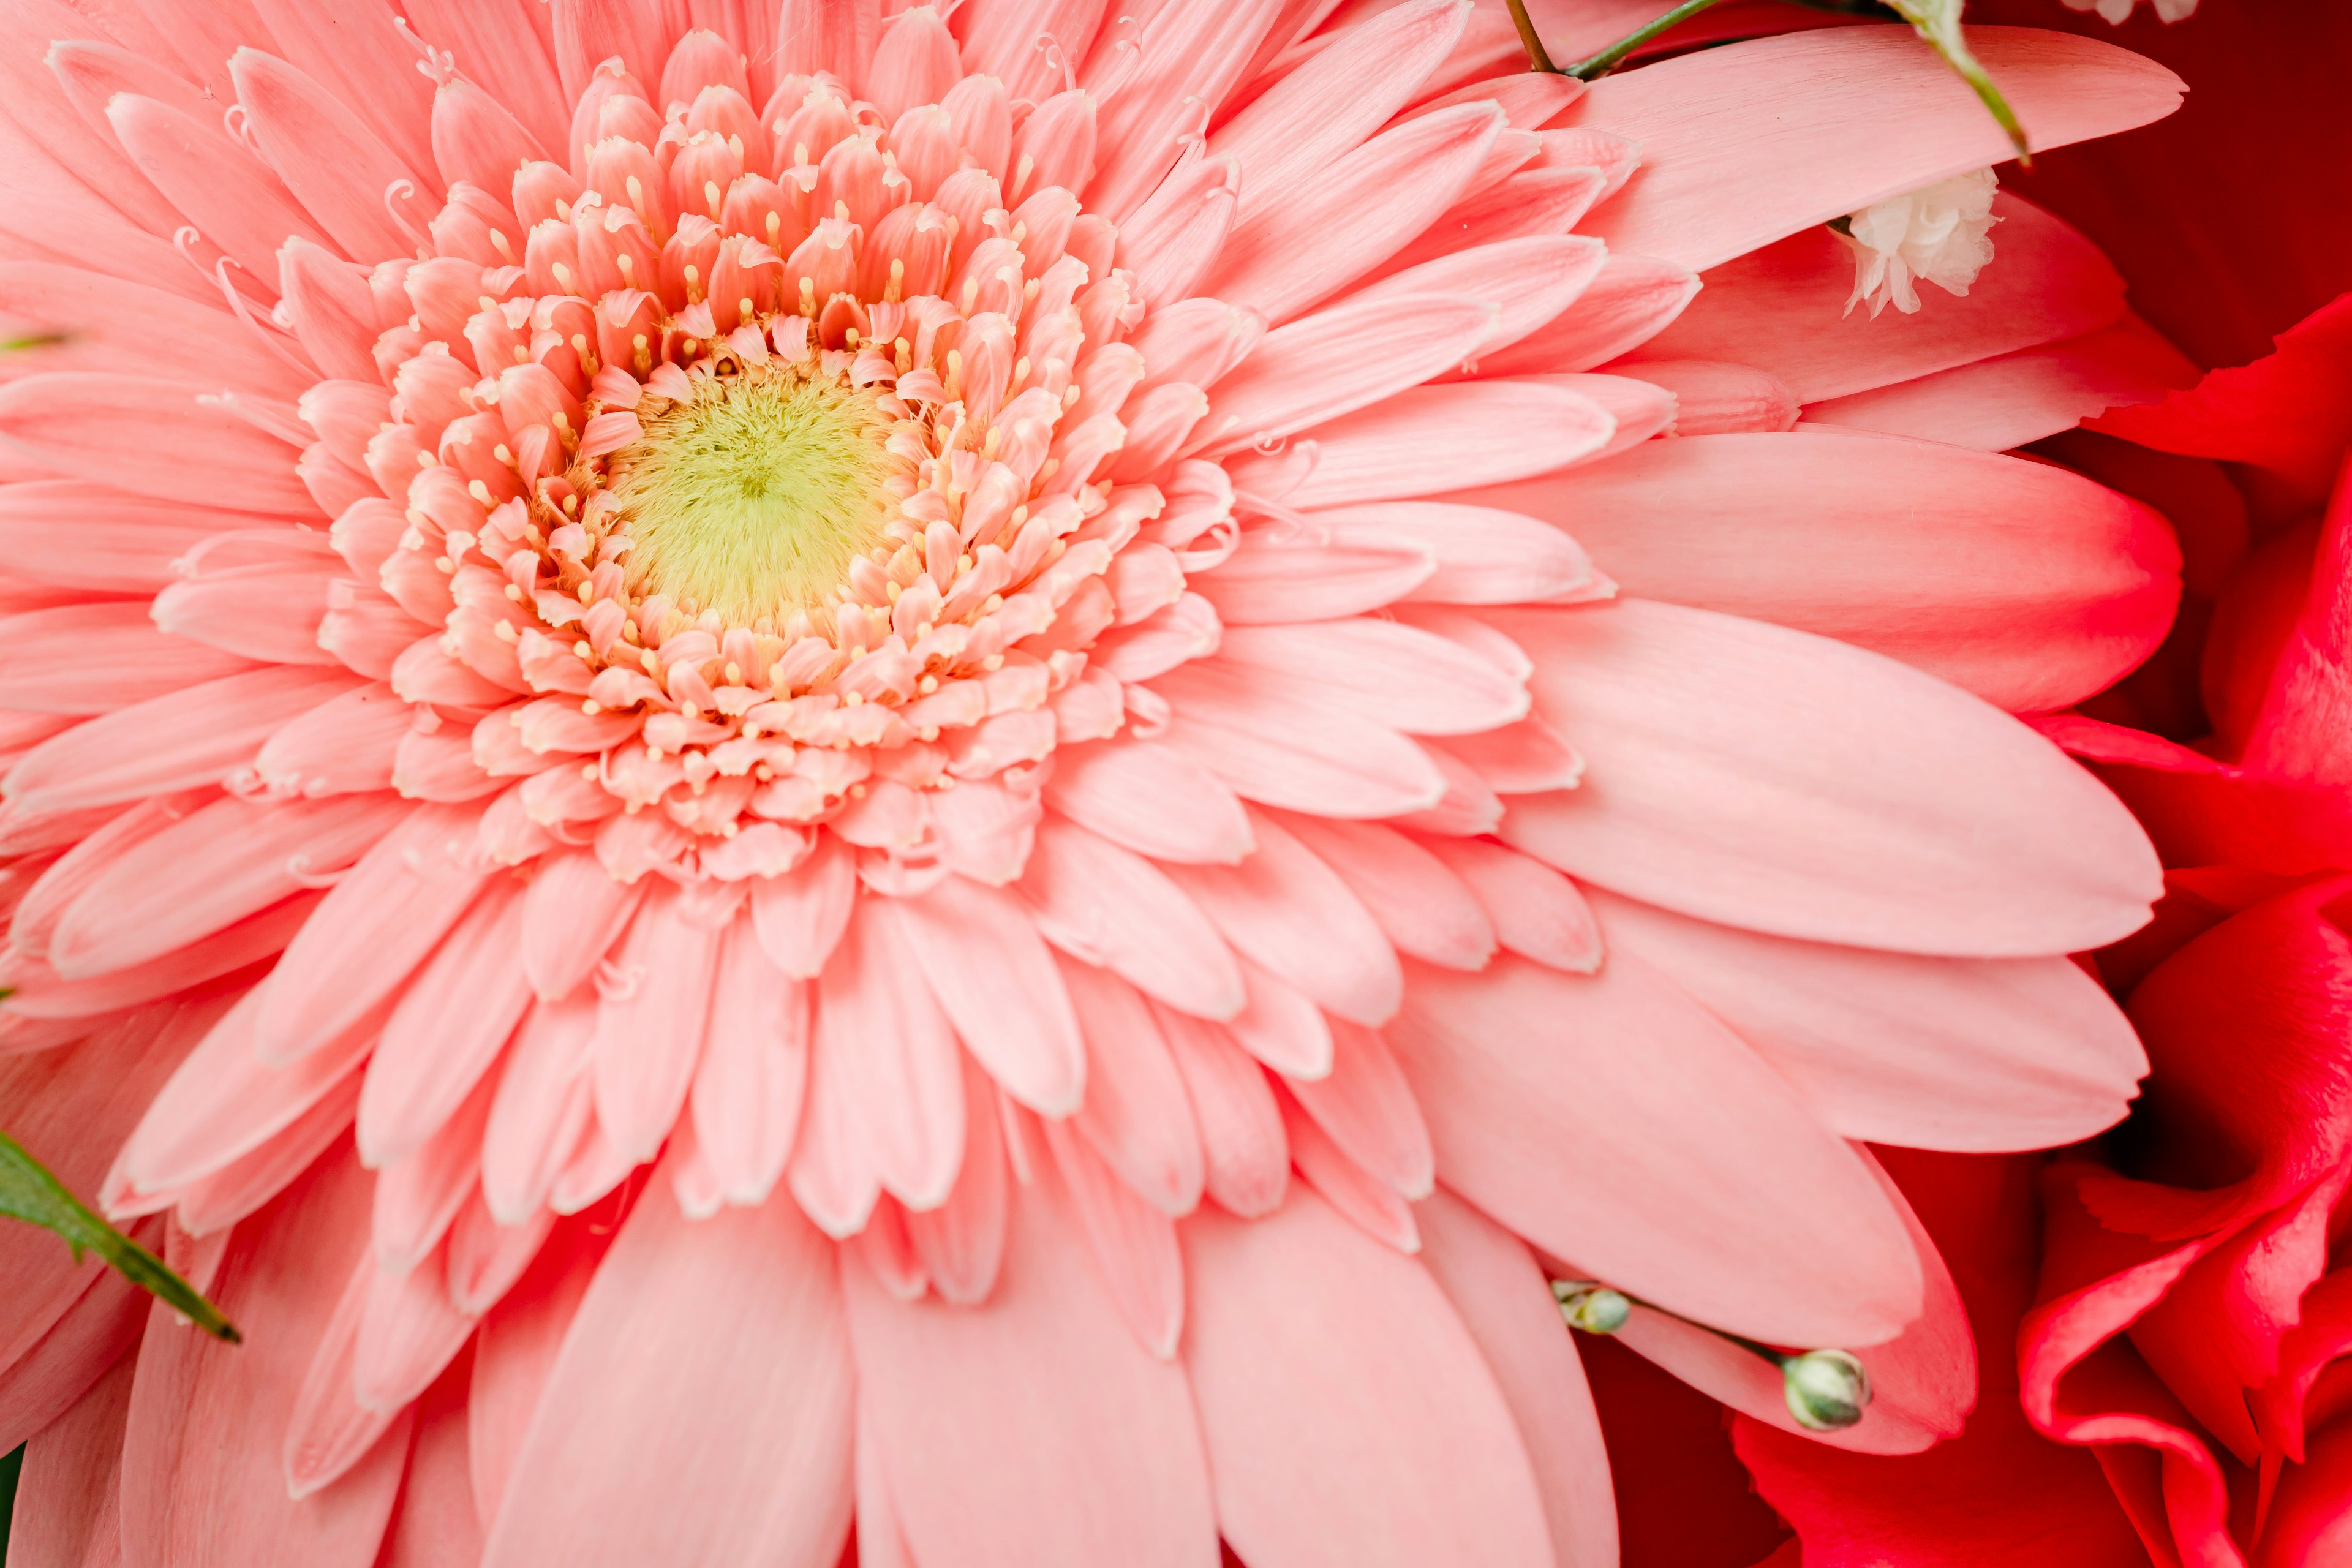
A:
[27,1192]
[1938,22]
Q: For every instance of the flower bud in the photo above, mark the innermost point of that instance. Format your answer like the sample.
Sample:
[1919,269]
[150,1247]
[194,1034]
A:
[1827,1390]
[1595,1308]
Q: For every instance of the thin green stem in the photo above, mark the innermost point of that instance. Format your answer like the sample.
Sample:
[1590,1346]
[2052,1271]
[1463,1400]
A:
[1538,59]
[1610,59]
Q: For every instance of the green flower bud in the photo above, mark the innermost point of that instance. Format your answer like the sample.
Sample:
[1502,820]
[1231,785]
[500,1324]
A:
[1827,1390]
[1590,1306]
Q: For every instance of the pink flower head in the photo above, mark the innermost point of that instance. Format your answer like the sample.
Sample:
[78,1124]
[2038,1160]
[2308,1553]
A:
[849,683]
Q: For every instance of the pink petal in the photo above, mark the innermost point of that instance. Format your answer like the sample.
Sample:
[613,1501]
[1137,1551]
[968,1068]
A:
[1402,676]
[1508,1306]
[1285,909]
[1106,905]
[71,1482]
[1134,1243]
[572,913]
[1290,135]
[1361,1198]
[153,438]
[1922,1384]
[895,1053]
[702,1396]
[799,916]
[1425,909]
[1725,1202]
[499,45]
[1270,743]
[354,49]
[1365,1106]
[1764,309]
[1914,817]
[234,200]
[1187,57]
[197,1488]
[193,737]
[417,1197]
[984,1412]
[1789,104]
[1626,304]
[1151,798]
[1348,1415]
[1538,912]
[961,1244]
[984,959]
[1489,433]
[1289,382]
[206,872]
[1281,1027]
[448,1027]
[1975,1054]
[545,1102]
[1998,404]
[376,925]
[337,168]
[649,1026]
[1361,210]
[438,1524]
[516,1349]
[753,1074]
[1246,1158]
[1532,279]
[1135,1114]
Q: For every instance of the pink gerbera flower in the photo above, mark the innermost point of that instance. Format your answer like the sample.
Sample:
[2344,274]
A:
[905,711]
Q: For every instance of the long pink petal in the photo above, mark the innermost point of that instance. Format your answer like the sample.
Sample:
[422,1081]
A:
[1727,1202]
[1364,209]
[208,871]
[1508,1306]
[984,1412]
[1790,105]
[984,958]
[1532,279]
[702,1396]
[1136,1114]
[1366,1107]
[446,1030]
[514,1351]
[95,1332]
[649,1029]
[151,438]
[337,168]
[1107,905]
[1626,304]
[437,1525]
[376,925]
[1283,909]
[1974,1054]
[194,737]
[1247,1158]
[545,1102]
[754,1076]
[894,1051]
[1538,912]
[961,1244]
[1151,798]
[238,205]
[354,49]
[171,336]
[1133,1243]
[2016,398]
[1400,675]
[1289,379]
[417,1197]
[572,913]
[69,1514]
[1269,742]
[496,44]
[1487,432]
[1188,56]
[1913,818]
[1348,1415]
[191,1493]
[1764,309]
[1922,1382]
[800,915]
[1291,134]
[2021,582]
[1427,911]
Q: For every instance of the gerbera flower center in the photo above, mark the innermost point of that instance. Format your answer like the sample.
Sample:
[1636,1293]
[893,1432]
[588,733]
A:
[752,498]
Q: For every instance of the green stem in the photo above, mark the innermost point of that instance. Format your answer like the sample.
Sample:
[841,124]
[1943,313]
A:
[1610,59]
[1538,59]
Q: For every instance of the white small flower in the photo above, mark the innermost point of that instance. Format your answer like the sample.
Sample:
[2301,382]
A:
[1942,233]
[2116,11]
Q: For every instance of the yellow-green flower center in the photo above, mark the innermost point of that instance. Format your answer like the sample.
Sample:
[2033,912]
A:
[753,499]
